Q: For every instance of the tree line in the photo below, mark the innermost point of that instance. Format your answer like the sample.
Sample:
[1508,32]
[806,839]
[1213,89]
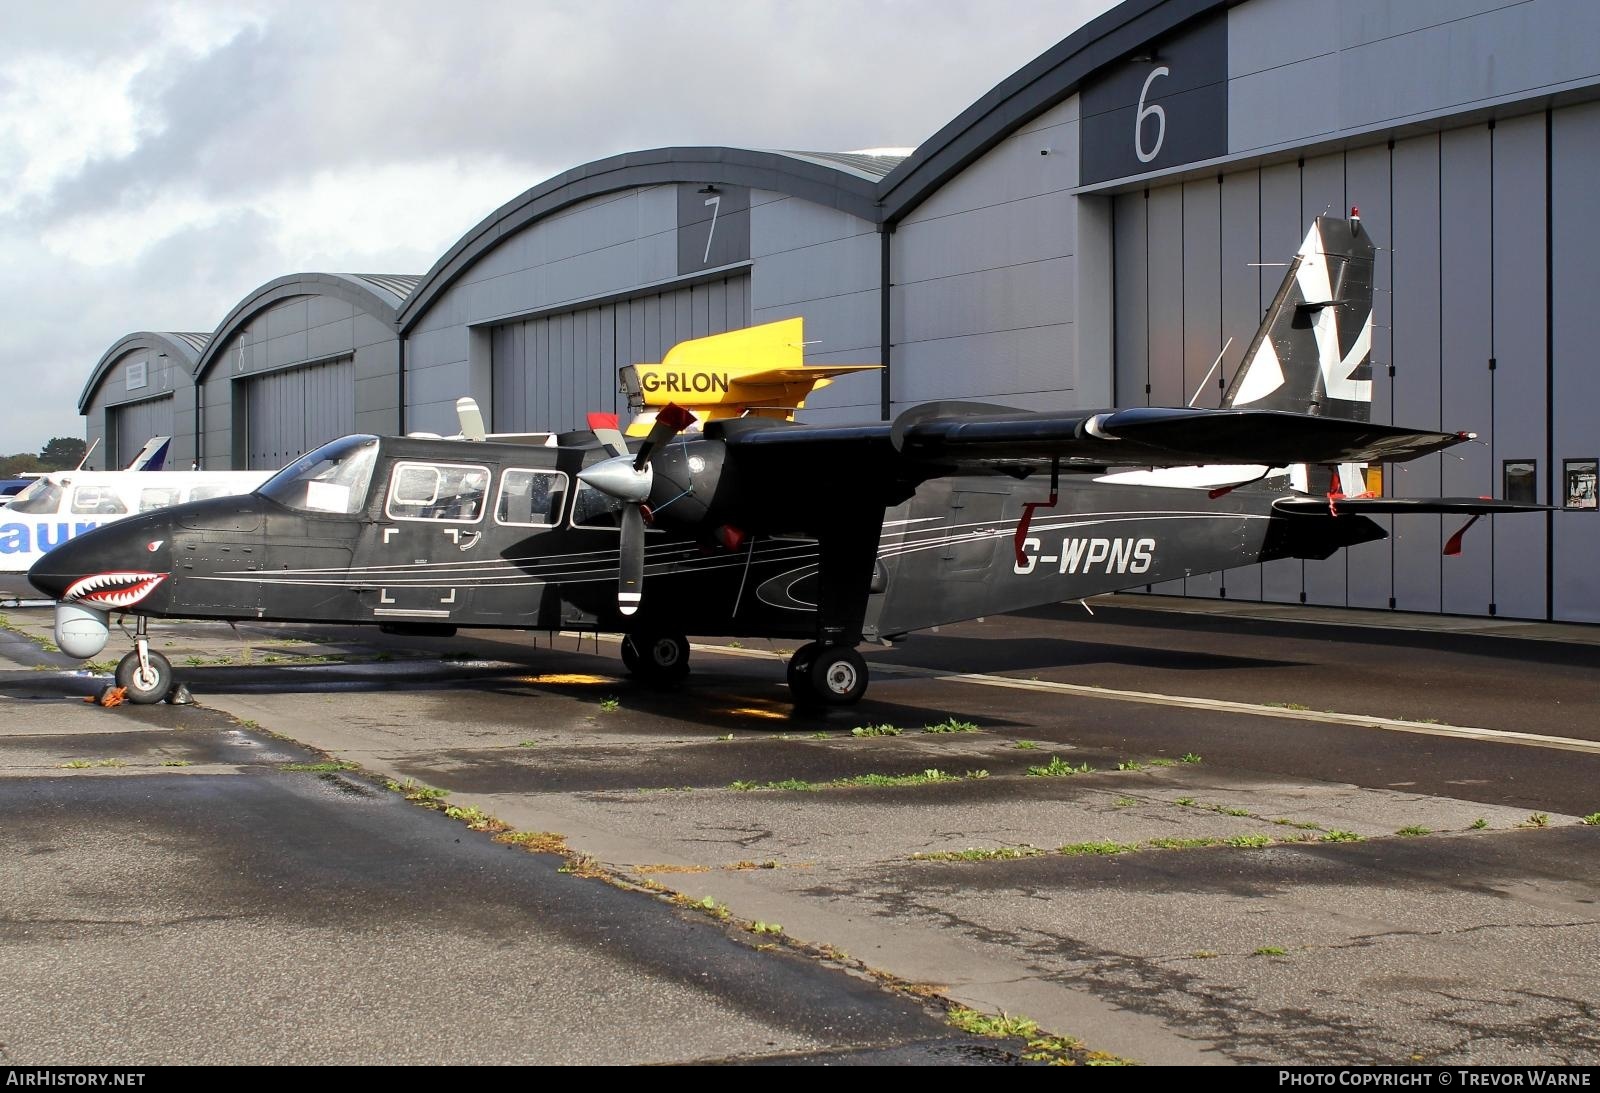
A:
[61,453]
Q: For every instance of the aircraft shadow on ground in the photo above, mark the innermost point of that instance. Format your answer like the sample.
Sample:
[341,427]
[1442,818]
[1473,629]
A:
[710,701]
[1489,645]
[988,654]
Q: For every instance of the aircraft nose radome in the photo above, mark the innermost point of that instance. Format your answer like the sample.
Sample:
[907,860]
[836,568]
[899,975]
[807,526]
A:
[97,551]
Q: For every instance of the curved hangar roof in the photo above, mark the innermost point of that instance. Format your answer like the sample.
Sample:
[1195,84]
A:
[841,180]
[378,294]
[1034,88]
[184,347]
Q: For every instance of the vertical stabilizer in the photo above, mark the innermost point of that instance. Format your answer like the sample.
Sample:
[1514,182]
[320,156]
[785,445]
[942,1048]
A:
[1313,352]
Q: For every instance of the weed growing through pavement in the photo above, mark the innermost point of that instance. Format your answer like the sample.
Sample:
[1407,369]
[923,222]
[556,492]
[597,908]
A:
[927,777]
[1059,768]
[415,791]
[998,853]
[950,724]
[874,730]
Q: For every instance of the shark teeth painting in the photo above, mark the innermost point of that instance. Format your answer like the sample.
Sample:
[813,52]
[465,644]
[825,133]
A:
[121,589]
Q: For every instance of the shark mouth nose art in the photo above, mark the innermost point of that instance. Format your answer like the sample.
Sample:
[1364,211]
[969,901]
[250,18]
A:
[122,589]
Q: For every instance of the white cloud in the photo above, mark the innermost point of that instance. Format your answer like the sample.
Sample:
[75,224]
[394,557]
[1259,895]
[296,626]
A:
[158,160]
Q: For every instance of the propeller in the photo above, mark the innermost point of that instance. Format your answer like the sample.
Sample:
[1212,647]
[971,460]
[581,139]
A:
[628,477]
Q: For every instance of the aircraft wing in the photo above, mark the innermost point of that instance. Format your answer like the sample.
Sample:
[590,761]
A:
[939,438]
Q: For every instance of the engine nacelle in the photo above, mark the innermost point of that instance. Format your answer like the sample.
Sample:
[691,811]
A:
[81,631]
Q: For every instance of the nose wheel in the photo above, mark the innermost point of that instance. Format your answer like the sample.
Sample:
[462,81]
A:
[146,676]
[827,675]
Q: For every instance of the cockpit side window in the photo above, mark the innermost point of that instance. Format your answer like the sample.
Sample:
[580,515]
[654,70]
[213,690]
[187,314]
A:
[592,508]
[437,491]
[531,499]
[332,479]
[97,501]
[158,497]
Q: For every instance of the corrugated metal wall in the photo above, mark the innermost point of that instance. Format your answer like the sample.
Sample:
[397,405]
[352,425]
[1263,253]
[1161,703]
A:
[288,413]
[136,423]
[1459,219]
[550,372]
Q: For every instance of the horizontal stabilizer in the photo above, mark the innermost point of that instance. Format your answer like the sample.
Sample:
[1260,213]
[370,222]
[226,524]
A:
[1373,506]
[1167,437]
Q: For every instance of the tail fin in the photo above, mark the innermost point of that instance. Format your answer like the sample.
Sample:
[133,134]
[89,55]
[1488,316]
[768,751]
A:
[1313,353]
[153,456]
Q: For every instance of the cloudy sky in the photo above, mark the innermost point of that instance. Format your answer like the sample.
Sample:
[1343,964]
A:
[160,160]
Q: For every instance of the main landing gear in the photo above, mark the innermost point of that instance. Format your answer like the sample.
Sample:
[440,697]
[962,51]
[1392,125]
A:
[658,659]
[146,675]
[827,675]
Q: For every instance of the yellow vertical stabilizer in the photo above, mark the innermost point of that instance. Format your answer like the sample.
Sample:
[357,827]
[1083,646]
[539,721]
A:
[759,371]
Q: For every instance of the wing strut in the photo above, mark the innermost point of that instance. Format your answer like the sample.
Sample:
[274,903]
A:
[1027,512]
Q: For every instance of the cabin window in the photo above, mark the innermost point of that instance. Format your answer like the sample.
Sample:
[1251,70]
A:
[40,499]
[592,508]
[531,499]
[158,497]
[333,478]
[97,501]
[438,491]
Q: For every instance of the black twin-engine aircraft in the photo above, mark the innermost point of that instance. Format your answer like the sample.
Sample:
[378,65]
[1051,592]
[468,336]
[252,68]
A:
[757,526]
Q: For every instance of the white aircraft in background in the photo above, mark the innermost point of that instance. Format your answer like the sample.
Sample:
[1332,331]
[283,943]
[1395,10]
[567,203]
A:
[61,505]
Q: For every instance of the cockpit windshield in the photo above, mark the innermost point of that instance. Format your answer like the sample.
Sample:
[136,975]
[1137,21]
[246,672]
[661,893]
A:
[333,478]
[43,497]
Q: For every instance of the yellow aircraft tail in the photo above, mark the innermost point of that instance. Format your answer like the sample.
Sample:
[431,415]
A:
[756,372]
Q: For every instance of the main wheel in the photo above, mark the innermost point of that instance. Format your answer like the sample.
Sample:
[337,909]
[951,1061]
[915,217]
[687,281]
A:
[838,676]
[145,685]
[657,658]
[800,670]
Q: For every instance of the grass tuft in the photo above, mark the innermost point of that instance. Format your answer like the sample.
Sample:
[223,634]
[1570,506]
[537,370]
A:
[1059,768]
[1103,847]
[875,730]
[997,853]
[950,724]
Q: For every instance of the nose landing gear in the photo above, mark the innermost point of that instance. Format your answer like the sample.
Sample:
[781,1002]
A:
[146,675]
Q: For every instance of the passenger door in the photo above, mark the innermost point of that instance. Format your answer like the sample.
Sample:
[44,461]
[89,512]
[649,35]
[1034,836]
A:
[422,557]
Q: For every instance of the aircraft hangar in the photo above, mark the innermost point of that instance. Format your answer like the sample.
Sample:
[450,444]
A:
[1091,232]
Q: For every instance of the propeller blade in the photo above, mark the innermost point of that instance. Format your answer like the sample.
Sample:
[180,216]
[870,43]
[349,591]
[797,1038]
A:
[671,421]
[630,574]
[604,427]
[471,418]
